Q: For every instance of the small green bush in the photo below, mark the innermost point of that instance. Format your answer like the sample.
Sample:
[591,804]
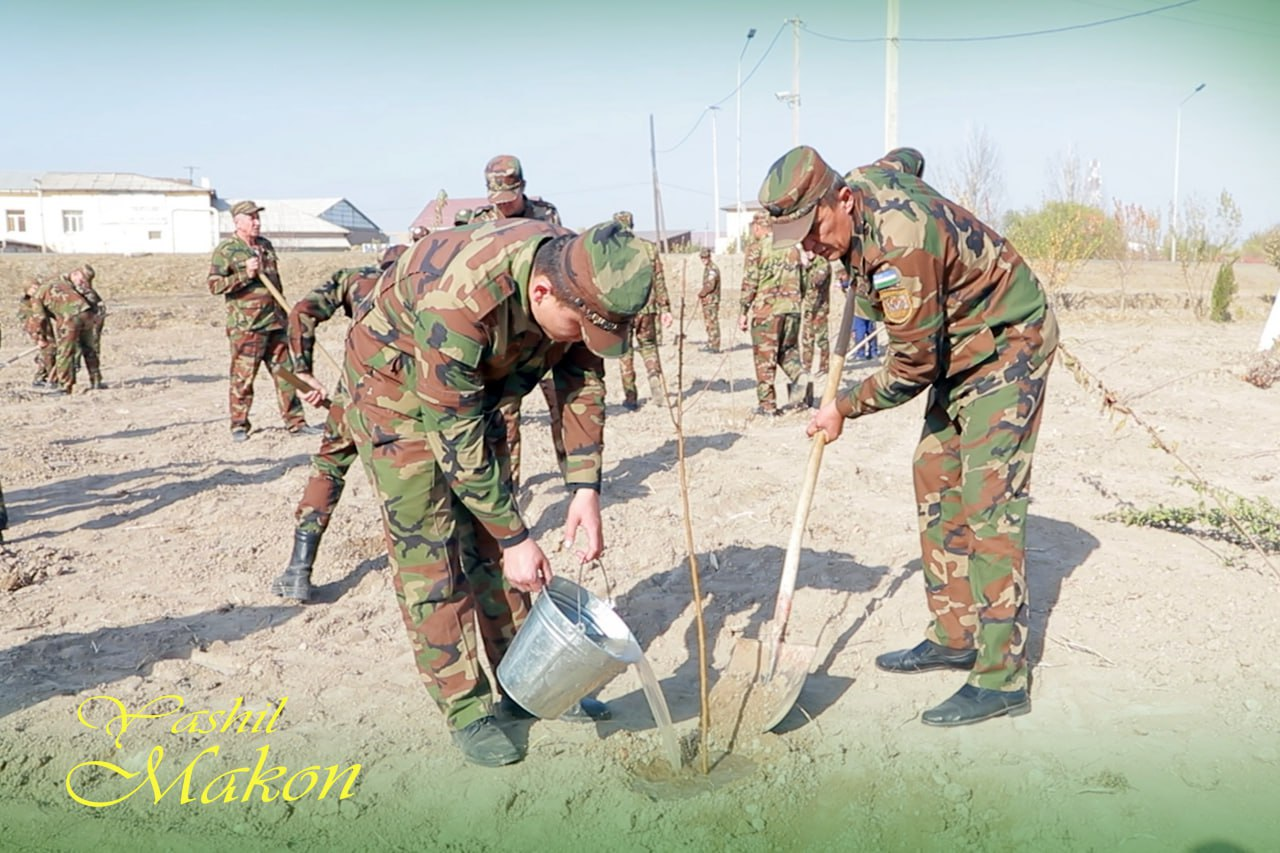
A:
[1224,288]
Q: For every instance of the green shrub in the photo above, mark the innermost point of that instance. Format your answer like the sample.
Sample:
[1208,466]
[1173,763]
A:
[1224,288]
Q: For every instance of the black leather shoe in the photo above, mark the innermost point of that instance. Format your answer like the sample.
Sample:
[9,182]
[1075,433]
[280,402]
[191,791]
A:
[925,657]
[630,405]
[485,743]
[587,710]
[974,704]
[240,434]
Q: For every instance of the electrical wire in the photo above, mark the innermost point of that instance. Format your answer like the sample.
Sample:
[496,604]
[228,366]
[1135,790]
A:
[1026,34]
[735,91]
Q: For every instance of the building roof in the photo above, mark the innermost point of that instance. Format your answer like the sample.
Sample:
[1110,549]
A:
[434,216]
[95,182]
[332,217]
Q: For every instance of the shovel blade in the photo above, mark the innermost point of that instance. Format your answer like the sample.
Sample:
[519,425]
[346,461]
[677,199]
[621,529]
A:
[743,702]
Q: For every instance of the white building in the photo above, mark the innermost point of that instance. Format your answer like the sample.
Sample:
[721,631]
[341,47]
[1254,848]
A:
[736,225]
[104,213]
[299,224]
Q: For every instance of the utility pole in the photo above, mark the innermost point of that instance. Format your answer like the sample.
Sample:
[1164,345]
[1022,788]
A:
[1177,156]
[715,181]
[191,174]
[751,33]
[891,77]
[657,191]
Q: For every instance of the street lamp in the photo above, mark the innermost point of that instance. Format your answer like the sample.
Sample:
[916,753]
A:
[715,181]
[1177,155]
[751,33]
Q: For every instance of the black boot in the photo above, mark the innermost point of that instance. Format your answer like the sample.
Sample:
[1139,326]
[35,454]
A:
[295,583]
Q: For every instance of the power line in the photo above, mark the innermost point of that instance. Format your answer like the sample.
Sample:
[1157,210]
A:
[1026,34]
[705,110]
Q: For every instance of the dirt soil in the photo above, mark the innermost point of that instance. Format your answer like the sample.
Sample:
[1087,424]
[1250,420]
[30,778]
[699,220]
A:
[142,541]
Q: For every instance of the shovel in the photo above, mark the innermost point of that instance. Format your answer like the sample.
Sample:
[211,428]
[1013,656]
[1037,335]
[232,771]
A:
[764,677]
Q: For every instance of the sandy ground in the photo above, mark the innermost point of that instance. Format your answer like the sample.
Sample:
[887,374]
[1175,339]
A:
[142,541]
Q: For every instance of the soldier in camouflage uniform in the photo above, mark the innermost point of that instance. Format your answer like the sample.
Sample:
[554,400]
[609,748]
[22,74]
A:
[63,301]
[92,349]
[771,300]
[255,320]
[645,331]
[968,320]
[815,323]
[709,299]
[461,323]
[329,465]
[39,327]
[504,180]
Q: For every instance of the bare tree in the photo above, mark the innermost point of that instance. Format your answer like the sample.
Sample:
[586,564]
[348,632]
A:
[1136,236]
[1068,179]
[979,183]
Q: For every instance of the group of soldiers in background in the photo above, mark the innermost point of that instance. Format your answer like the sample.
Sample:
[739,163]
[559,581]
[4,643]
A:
[63,316]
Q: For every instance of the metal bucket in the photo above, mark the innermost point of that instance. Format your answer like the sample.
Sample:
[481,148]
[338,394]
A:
[571,644]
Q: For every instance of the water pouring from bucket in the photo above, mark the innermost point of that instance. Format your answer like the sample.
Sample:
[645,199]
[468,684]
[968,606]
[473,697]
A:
[571,645]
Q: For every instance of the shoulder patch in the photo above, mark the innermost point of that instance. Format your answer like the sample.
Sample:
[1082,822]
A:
[885,278]
[895,301]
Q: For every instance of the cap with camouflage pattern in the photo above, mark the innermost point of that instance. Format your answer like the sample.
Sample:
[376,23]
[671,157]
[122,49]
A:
[89,272]
[464,216]
[391,255]
[704,252]
[796,182]
[605,272]
[625,219]
[504,178]
[247,208]
[908,160]
[417,232]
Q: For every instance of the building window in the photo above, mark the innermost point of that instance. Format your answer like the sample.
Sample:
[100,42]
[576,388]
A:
[153,235]
[72,221]
[15,221]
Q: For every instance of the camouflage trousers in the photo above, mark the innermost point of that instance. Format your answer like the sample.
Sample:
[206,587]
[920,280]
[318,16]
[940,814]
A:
[511,417]
[248,351]
[644,337]
[71,339]
[972,480]
[329,466]
[815,329]
[92,348]
[711,319]
[774,343]
[44,356]
[448,568]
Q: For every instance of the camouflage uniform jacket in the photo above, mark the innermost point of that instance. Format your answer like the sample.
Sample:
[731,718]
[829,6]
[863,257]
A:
[534,208]
[344,290]
[771,283]
[451,322]
[61,298]
[659,301]
[710,282]
[964,312]
[250,306]
[34,320]
[96,303]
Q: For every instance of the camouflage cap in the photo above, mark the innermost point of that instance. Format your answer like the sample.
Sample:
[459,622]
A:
[248,208]
[704,252]
[391,255]
[625,219]
[464,216]
[417,232]
[606,272]
[796,182]
[908,160]
[504,178]
[88,271]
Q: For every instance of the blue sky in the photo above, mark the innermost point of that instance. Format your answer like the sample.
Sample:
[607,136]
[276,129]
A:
[386,103]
